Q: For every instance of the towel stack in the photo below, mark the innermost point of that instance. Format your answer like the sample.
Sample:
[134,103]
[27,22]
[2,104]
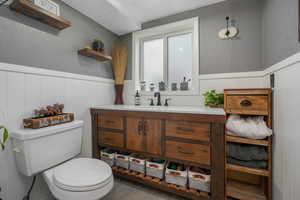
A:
[247,155]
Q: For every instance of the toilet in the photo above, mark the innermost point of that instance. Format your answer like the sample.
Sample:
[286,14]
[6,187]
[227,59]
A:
[52,151]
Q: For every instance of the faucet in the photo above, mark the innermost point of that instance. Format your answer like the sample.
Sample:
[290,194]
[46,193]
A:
[157,94]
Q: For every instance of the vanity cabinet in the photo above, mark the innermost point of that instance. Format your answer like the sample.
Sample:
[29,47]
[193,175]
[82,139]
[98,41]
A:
[144,135]
[188,138]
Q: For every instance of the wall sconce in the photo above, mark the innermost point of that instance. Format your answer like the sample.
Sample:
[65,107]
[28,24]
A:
[230,32]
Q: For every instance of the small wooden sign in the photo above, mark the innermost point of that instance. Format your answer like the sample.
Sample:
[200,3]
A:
[36,123]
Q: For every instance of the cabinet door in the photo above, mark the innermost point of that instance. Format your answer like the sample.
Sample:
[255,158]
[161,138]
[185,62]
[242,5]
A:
[153,134]
[135,136]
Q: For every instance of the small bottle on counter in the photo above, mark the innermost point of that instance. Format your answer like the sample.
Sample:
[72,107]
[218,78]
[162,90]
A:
[137,99]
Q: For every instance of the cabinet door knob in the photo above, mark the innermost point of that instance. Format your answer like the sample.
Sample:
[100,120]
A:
[246,103]
[140,127]
[145,127]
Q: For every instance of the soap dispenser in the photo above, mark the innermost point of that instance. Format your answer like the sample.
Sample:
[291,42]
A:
[137,99]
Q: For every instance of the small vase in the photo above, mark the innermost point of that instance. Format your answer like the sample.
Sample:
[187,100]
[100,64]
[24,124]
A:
[119,94]
[98,46]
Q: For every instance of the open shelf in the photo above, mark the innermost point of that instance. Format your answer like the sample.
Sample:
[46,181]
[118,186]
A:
[244,191]
[94,54]
[30,9]
[260,172]
[160,185]
[230,138]
[157,156]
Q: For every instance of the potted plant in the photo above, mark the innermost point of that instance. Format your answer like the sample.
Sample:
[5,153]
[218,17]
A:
[213,99]
[98,45]
[5,137]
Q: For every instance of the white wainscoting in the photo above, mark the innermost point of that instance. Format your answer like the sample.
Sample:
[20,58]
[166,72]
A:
[23,89]
[207,82]
[286,128]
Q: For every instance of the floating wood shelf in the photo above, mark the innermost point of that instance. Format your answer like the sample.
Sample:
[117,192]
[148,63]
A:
[30,9]
[230,138]
[161,185]
[243,191]
[95,54]
[260,172]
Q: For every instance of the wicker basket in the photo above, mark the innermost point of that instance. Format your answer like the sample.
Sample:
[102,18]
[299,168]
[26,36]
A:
[122,160]
[155,169]
[199,180]
[176,177]
[137,163]
[109,158]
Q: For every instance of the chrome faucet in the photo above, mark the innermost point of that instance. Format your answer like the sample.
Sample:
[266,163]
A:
[157,94]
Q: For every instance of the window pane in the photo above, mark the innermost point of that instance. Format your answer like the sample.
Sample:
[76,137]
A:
[153,62]
[180,58]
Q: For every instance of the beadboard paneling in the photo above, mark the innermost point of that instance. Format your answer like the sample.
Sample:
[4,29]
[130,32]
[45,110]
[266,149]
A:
[24,89]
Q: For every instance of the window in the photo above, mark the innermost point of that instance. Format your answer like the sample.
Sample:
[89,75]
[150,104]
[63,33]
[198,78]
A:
[169,54]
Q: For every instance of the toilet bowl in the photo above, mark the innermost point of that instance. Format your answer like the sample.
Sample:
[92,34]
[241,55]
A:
[80,179]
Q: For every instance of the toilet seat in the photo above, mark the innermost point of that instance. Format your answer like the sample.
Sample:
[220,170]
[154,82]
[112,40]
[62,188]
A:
[82,174]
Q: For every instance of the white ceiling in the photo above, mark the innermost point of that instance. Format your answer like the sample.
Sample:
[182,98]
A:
[125,16]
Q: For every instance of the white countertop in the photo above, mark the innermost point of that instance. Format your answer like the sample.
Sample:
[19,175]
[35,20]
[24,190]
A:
[168,109]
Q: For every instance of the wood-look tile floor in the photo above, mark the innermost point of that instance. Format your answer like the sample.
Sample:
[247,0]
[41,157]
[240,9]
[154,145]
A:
[124,190]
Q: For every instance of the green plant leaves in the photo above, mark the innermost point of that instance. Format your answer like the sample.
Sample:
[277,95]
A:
[5,137]
[213,99]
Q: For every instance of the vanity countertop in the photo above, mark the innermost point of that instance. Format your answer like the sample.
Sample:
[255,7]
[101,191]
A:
[167,109]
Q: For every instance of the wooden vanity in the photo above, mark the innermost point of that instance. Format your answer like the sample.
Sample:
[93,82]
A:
[194,137]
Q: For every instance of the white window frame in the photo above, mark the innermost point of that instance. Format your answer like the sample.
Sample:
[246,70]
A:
[177,28]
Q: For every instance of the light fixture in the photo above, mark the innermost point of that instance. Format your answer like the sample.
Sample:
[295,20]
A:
[228,33]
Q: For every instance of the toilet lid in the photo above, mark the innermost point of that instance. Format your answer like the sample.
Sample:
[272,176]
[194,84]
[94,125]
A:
[82,174]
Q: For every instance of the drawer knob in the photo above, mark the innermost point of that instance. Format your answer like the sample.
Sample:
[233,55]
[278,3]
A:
[109,121]
[246,103]
[179,149]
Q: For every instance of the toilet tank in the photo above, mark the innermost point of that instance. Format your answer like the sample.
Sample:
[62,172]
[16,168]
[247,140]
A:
[39,149]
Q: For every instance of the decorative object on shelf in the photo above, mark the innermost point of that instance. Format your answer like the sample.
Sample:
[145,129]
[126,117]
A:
[152,87]
[49,116]
[184,85]
[98,45]
[28,8]
[230,32]
[3,2]
[120,59]
[5,137]
[137,99]
[143,85]
[213,99]
[162,86]
[49,6]
[174,87]
[87,47]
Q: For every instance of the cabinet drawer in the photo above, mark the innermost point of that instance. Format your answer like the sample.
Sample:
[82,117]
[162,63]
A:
[188,130]
[112,122]
[113,139]
[247,104]
[190,152]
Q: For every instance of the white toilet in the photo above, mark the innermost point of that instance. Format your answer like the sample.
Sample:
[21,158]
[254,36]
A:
[52,151]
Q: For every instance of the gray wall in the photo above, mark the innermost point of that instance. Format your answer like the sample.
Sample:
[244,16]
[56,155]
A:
[280,30]
[218,56]
[25,41]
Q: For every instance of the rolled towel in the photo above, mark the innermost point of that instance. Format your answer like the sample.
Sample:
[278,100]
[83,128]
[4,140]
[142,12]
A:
[247,152]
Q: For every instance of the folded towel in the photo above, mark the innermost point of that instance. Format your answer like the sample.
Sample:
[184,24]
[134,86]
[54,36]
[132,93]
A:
[248,127]
[252,164]
[247,152]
